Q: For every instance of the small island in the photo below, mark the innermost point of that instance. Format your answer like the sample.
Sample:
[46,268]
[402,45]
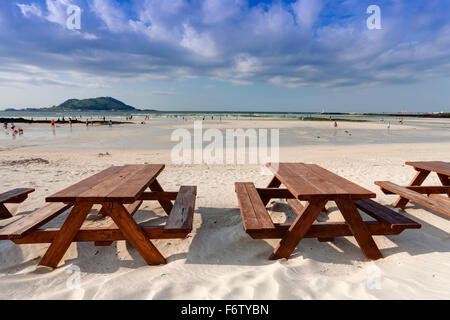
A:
[87,105]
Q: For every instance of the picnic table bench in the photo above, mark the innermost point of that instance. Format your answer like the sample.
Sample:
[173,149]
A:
[120,190]
[18,195]
[427,196]
[316,186]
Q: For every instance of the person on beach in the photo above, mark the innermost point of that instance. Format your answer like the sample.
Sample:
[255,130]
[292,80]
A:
[389,125]
[5,125]
[87,122]
[53,122]
[13,126]
[335,124]
[110,123]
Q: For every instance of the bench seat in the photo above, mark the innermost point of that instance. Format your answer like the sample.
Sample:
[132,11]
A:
[23,226]
[179,221]
[15,195]
[386,215]
[18,195]
[253,211]
[404,192]
[182,214]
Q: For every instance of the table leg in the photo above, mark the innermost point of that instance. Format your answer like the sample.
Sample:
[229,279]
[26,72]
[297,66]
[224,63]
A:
[416,181]
[135,235]
[165,204]
[359,229]
[66,234]
[4,212]
[445,180]
[274,183]
[103,211]
[298,230]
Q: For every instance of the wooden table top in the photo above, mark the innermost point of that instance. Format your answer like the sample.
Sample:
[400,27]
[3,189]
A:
[117,183]
[440,167]
[310,181]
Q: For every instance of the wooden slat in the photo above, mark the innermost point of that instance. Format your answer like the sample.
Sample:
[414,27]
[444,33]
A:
[274,193]
[158,195]
[182,213]
[32,221]
[249,220]
[324,230]
[296,205]
[136,183]
[384,214]
[117,183]
[253,211]
[309,181]
[435,166]
[122,186]
[11,195]
[70,194]
[298,185]
[426,189]
[415,197]
[439,198]
[99,234]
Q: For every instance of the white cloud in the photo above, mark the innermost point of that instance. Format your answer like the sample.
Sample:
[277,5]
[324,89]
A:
[113,17]
[307,12]
[29,10]
[57,11]
[200,43]
[215,11]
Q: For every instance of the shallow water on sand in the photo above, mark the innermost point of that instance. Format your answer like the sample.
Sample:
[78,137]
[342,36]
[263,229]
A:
[156,134]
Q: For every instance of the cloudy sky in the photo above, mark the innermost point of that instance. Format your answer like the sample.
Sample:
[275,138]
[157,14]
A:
[299,55]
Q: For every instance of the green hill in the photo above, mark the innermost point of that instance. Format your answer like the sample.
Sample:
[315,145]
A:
[94,104]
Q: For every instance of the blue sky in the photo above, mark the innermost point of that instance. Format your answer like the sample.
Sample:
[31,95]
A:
[302,55]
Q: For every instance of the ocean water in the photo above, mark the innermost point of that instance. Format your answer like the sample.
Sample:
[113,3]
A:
[156,134]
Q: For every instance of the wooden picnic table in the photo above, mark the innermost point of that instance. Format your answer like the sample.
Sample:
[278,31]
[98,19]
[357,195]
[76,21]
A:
[316,186]
[427,196]
[120,190]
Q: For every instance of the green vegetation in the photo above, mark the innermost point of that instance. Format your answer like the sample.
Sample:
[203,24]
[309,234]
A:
[87,105]
[95,104]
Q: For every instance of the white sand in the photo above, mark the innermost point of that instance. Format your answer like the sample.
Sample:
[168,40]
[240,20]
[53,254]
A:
[219,260]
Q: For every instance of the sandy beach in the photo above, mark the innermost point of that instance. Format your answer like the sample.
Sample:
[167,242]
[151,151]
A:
[219,260]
